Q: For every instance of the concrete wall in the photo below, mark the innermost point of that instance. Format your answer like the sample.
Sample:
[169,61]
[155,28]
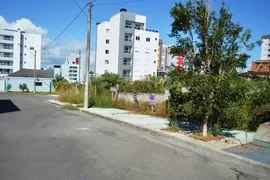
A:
[2,85]
[15,82]
[141,97]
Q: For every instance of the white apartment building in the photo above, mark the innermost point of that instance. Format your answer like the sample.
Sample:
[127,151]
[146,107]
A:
[126,47]
[265,51]
[17,51]
[70,70]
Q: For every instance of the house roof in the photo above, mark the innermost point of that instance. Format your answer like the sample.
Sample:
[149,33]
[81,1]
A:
[30,73]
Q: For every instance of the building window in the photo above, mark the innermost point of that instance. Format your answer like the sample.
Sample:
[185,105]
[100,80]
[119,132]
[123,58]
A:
[154,73]
[155,50]
[38,83]
[127,49]
[146,52]
[127,61]
[106,71]
[137,51]
[126,73]
[138,38]
[25,38]
[106,61]
[154,62]
[107,51]
[31,48]
[25,54]
[137,26]
[107,41]
[156,39]
[128,37]
[107,30]
[147,39]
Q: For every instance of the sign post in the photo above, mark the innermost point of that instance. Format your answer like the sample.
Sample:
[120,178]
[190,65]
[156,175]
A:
[166,98]
[113,91]
[136,100]
[152,102]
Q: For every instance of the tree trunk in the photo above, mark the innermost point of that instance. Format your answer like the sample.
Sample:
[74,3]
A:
[205,127]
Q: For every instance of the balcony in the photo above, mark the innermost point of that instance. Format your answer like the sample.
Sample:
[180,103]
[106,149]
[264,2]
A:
[127,51]
[140,28]
[7,38]
[6,66]
[134,27]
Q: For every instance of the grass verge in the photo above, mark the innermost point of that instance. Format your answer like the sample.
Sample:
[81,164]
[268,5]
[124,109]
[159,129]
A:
[69,107]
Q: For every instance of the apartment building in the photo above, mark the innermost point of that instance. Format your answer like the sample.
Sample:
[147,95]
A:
[126,47]
[70,70]
[17,51]
[265,51]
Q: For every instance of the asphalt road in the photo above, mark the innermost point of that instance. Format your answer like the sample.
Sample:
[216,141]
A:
[40,141]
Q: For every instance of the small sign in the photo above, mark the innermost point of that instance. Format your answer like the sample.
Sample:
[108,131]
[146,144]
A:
[167,94]
[135,97]
[152,100]
[113,89]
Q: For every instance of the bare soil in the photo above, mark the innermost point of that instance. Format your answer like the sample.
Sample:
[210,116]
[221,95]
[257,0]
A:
[207,138]
[245,148]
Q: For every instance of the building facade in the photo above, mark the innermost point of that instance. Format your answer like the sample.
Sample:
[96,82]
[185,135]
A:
[70,70]
[265,51]
[25,76]
[17,50]
[262,66]
[162,57]
[126,47]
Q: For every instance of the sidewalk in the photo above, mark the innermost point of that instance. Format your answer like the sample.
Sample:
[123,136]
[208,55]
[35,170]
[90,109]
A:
[153,125]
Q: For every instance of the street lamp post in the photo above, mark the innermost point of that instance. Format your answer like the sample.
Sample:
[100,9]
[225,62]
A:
[35,63]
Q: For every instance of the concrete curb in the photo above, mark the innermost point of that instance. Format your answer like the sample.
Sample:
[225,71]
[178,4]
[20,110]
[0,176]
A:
[218,155]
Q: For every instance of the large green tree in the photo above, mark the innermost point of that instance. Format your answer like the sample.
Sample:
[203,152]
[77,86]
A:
[214,47]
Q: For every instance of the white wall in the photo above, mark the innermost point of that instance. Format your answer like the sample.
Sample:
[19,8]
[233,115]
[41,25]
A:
[2,85]
[102,35]
[22,58]
[31,41]
[143,64]
[265,49]
[15,51]
[65,70]
[145,54]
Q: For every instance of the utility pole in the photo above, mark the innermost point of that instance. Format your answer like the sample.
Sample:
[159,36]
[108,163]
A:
[86,89]
[80,66]
[35,62]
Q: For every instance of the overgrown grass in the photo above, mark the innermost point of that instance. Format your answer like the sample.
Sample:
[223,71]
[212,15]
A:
[144,108]
[104,100]
[69,107]
[71,97]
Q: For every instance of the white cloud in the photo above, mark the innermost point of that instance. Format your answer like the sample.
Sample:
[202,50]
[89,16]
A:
[23,24]
[55,53]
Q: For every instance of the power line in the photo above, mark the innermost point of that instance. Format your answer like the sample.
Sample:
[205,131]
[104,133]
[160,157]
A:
[79,7]
[113,8]
[64,29]
[121,2]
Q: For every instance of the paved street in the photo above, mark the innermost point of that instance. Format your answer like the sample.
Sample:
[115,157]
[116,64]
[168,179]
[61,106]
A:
[40,141]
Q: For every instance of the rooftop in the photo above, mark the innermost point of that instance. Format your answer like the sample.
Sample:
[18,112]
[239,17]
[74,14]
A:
[30,73]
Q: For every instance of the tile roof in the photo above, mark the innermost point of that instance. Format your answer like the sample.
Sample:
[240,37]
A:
[30,73]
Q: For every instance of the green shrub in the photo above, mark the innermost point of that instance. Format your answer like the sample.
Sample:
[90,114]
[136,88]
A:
[69,107]
[9,87]
[104,100]
[23,87]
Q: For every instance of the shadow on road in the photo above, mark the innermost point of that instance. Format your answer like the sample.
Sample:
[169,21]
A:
[7,106]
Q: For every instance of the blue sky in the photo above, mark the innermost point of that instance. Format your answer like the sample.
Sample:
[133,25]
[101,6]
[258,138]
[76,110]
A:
[54,15]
